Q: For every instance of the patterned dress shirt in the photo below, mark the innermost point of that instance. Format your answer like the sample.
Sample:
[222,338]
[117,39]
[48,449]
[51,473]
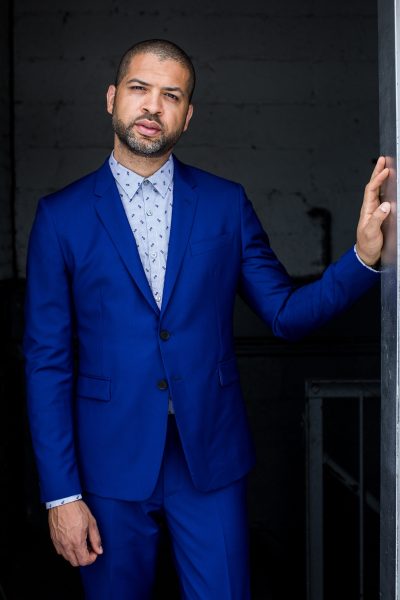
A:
[147,202]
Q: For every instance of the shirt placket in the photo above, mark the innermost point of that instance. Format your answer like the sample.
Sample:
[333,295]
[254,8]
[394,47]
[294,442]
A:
[154,241]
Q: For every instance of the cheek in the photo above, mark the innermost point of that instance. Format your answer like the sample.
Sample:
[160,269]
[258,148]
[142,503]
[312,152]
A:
[127,108]
[179,120]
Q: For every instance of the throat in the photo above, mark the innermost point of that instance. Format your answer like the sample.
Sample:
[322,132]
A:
[142,165]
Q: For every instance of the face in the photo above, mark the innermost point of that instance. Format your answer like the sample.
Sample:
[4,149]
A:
[150,107]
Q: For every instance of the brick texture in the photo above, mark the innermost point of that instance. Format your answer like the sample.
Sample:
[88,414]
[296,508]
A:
[5,162]
[287,104]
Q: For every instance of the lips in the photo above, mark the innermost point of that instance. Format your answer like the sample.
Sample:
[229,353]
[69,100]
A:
[147,128]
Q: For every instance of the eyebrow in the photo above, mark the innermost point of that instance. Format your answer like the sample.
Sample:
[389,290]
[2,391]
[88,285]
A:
[166,88]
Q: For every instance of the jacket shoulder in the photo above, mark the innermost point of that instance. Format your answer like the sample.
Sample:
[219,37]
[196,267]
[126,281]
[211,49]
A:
[205,178]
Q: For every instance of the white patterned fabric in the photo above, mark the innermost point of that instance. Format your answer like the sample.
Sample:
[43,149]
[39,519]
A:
[147,202]
[62,501]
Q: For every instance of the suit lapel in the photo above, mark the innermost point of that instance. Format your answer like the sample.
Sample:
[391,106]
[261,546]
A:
[112,215]
[183,211]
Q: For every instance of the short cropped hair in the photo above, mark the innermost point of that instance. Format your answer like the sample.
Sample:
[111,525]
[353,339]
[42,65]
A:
[165,50]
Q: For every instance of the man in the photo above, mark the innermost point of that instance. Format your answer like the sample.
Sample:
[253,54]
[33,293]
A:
[140,262]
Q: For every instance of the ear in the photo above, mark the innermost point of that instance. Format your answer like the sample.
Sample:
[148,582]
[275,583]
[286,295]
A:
[110,98]
[189,115]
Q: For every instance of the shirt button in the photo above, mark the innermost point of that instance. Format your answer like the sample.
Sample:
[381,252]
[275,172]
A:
[165,335]
[146,182]
[153,254]
[162,385]
[149,213]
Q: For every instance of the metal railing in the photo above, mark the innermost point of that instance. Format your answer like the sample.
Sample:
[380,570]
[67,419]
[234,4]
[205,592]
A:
[322,400]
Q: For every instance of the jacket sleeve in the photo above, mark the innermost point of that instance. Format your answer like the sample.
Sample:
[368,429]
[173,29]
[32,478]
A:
[291,311]
[48,351]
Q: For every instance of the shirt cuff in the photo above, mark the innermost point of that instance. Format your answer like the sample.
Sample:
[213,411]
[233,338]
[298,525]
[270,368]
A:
[62,501]
[363,263]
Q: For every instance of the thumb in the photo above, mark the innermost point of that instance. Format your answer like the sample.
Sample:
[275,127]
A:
[376,219]
[382,211]
[94,537]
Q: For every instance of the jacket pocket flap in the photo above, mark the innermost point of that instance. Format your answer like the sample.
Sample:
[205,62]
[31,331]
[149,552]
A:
[228,372]
[210,243]
[93,387]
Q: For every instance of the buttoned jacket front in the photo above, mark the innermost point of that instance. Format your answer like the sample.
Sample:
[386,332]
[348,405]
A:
[102,358]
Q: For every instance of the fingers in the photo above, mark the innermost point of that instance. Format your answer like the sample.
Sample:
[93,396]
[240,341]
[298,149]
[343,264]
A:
[371,195]
[369,235]
[380,165]
[377,181]
[84,555]
[69,529]
[67,551]
[372,230]
[94,537]
[79,556]
[76,552]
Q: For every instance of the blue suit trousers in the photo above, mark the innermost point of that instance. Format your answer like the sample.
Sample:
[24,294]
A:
[208,531]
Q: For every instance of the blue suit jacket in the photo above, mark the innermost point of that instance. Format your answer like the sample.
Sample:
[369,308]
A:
[99,423]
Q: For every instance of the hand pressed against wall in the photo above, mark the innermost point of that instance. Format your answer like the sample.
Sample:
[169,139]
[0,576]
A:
[373,213]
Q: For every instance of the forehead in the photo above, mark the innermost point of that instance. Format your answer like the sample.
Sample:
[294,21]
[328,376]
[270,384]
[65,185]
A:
[157,71]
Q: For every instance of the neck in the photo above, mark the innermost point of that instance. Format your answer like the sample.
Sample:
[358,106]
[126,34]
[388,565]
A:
[142,165]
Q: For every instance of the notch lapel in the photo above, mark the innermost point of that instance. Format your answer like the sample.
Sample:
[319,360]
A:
[111,213]
[183,211]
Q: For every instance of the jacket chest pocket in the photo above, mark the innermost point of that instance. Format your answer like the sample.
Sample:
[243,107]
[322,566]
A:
[210,244]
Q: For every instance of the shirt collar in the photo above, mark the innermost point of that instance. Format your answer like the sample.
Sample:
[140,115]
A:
[130,181]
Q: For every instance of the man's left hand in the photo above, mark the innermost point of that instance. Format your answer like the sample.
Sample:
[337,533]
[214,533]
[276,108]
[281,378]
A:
[373,213]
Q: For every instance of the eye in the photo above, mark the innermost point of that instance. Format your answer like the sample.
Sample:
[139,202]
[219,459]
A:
[137,87]
[172,96]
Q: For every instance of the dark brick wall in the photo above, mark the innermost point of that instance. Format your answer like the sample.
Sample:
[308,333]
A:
[287,104]
[6,258]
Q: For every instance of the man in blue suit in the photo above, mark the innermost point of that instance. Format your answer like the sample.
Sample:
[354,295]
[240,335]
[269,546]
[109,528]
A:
[133,391]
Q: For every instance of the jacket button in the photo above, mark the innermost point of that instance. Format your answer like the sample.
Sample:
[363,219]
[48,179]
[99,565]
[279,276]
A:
[162,384]
[165,335]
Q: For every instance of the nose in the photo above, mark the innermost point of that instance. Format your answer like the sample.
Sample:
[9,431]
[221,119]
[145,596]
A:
[152,103]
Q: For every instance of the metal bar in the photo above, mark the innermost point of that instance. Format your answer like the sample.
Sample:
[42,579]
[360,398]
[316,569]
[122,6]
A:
[388,31]
[339,388]
[350,483]
[315,539]
[361,494]
[318,392]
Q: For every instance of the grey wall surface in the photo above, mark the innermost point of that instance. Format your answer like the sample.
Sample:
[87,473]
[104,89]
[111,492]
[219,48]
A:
[389,100]
[286,104]
[6,269]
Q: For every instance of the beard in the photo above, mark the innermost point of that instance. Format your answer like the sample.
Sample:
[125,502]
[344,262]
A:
[142,146]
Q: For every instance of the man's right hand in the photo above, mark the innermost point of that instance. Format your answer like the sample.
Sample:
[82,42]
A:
[74,532]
